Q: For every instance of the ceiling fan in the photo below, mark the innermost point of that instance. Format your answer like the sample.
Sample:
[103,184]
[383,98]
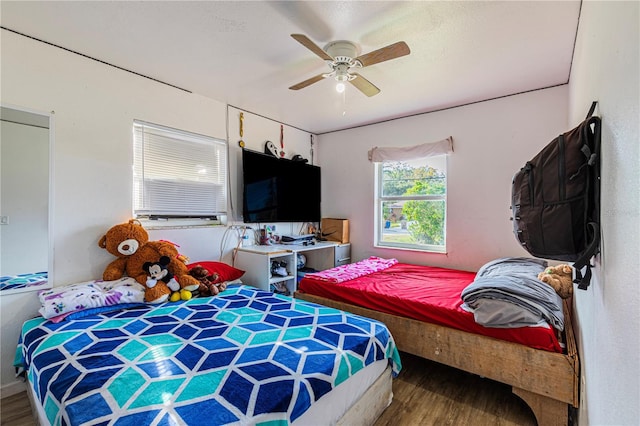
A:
[342,57]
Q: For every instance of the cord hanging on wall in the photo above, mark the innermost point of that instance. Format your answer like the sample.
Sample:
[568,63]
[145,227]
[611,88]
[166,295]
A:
[311,150]
[241,142]
[282,154]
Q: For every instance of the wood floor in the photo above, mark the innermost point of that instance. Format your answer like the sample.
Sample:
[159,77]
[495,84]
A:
[425,393]
[15,410]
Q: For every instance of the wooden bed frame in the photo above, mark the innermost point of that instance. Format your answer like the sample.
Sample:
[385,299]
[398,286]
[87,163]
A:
[546,381]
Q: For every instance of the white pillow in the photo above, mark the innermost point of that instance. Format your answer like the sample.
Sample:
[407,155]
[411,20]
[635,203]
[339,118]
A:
[90,294]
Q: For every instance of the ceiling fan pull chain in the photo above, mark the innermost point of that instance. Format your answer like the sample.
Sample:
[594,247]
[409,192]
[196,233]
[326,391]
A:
[344,103]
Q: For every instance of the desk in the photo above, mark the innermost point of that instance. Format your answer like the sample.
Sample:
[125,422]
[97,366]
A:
[256,262]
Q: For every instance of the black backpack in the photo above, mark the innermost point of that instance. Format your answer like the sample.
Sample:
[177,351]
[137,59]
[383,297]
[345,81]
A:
[555,199]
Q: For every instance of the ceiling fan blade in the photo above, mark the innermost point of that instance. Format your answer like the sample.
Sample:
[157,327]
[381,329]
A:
[392,51]
[364,85]
[307,82]
[306,42]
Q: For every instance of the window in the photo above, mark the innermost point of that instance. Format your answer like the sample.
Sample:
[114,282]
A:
[411,203]
[178,174]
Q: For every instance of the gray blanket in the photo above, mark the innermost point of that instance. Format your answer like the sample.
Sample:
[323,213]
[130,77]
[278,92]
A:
[507,293]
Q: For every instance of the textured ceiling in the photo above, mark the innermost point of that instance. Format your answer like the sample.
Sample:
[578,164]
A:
[241,52]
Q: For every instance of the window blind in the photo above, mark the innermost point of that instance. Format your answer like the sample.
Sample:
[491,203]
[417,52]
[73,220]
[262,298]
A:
[379,155]
[177,173]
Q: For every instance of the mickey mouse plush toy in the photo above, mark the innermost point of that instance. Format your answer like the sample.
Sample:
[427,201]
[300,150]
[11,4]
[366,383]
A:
[158,272]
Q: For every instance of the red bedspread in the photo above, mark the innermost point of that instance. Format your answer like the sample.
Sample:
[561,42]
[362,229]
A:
[427,294]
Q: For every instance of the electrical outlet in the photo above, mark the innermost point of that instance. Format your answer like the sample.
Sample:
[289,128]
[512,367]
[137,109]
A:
[4,220]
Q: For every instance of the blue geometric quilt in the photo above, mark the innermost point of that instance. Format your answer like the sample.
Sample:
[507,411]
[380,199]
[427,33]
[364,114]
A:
[243,357]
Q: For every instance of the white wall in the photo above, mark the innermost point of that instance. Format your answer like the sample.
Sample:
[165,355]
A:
[606,68]
[491,141]
[15,309]
[95,106]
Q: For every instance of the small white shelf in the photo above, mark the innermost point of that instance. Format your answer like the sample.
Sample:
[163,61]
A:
[256,262]
[274,280]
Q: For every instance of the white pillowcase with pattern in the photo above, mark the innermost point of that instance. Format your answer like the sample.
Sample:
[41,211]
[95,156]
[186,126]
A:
[90,294]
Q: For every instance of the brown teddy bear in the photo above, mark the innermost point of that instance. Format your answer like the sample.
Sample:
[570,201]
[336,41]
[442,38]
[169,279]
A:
[210,284]
[559,277]
[129,242]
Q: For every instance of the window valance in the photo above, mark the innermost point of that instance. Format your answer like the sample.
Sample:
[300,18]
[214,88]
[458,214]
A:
[378,155]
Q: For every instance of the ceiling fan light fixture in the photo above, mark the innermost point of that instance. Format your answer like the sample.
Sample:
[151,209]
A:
[343,56]
[342,77]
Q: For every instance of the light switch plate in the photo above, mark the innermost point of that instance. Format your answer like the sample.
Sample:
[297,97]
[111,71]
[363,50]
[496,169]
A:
[4,220]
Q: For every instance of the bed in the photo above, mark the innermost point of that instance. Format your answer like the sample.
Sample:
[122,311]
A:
[244,356]
[540,364]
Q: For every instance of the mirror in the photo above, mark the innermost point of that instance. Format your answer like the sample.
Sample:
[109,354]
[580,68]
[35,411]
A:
[26,250]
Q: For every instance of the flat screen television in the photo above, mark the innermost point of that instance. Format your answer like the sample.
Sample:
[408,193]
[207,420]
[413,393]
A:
[278,189]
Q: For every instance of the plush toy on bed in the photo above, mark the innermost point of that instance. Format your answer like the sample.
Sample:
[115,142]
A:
[210,283]
[559,277]
[129,242]
[156,291]
[158,275]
